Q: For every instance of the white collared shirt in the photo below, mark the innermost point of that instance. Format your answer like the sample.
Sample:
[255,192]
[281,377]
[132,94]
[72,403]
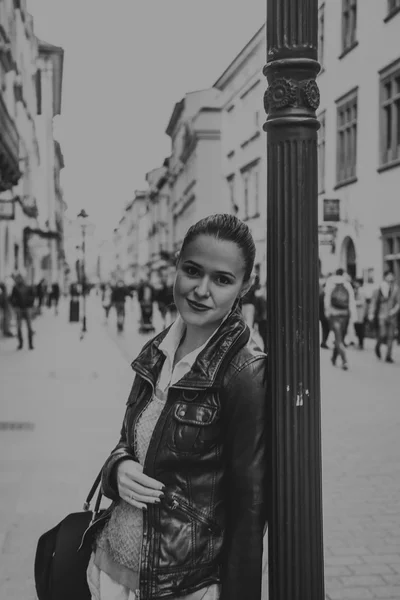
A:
[169,374]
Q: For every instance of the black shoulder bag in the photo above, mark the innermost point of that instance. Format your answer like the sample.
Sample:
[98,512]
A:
[63,553]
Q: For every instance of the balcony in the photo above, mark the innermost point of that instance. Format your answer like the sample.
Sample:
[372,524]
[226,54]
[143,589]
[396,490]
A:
[9,150]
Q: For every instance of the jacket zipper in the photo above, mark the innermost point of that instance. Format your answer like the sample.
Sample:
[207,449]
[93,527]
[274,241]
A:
[178,503]
[140,373]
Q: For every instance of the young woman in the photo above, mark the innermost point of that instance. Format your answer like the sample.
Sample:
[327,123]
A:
[188,476]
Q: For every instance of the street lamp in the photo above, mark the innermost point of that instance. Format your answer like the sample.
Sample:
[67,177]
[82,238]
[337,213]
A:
[295,502]
[82,216]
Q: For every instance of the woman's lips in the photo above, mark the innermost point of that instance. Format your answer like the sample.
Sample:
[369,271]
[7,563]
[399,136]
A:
[196,306]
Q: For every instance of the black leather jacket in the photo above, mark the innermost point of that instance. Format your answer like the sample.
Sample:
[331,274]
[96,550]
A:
[209,450]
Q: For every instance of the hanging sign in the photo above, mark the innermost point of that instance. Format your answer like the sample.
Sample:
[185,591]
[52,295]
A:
[7,210]
[331,209]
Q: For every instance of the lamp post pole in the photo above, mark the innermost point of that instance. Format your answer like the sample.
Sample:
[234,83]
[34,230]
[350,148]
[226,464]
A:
[295,507]
[82,216]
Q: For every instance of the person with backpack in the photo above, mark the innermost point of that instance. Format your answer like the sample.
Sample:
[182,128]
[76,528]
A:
[23,299]
[340,309]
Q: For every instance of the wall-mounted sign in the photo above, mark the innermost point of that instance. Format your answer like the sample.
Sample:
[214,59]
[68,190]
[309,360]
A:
[326,235]
[7,210]
[331,209]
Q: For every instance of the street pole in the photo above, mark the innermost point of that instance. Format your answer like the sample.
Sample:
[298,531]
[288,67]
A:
[84,329]
[295,544]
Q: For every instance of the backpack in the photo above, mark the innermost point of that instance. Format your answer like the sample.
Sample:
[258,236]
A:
[340,297]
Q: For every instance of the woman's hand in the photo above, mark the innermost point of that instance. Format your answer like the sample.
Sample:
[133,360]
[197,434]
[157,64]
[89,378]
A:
[135,487]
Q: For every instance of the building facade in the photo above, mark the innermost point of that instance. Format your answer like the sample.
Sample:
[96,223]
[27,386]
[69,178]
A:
[359,138]
[218,148]
[28,166]
[243,142]
[195,175]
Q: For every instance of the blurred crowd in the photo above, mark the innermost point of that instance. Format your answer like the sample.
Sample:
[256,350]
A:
[352,311]
[23,302]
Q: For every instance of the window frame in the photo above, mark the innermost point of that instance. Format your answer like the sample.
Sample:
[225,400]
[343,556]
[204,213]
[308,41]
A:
[392,11]
[321,147]
[321,36]
[391,260]
[349,26]
[389,74]
[344,103]
[250,174]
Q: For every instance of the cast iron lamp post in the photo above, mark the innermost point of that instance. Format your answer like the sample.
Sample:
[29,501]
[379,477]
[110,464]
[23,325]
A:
[295,511]
[82,216]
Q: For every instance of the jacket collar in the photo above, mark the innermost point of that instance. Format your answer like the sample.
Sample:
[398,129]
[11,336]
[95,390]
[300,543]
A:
[204,372]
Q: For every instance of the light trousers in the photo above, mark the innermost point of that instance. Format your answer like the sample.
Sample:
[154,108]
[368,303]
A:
[102,587]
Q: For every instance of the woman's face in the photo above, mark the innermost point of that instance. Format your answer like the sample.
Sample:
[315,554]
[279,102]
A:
[208,280]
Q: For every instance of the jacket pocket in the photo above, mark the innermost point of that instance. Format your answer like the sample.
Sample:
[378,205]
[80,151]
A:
[195,427]
[176,503]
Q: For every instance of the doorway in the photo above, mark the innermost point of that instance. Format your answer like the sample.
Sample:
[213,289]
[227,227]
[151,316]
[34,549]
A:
[349,257]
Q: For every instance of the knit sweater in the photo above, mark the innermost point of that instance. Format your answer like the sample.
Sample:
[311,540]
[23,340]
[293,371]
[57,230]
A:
[118,546]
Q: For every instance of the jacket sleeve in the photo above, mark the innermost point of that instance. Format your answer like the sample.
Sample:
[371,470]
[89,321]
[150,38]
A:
[353,305]
[122,451]
[327,299]
[245,447]
[373,305]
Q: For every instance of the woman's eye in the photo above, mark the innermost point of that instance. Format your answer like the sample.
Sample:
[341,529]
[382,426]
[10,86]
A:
[191,271]
[222,280]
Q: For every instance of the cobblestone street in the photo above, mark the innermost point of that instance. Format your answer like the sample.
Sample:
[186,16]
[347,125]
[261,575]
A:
[60,413]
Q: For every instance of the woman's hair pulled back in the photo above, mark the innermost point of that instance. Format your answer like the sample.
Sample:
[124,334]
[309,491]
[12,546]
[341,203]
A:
[228,228]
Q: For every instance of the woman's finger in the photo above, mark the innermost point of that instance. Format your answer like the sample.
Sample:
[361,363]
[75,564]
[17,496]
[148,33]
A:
[143,498]
[141,489]
[145,480]
[133,502]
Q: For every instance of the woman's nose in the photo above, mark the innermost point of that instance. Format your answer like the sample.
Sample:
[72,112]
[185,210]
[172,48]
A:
[202,289]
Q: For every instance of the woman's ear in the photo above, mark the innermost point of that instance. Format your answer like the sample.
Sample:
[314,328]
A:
[246,286]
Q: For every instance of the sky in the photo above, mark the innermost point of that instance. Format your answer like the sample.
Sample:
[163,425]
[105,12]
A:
[126,64]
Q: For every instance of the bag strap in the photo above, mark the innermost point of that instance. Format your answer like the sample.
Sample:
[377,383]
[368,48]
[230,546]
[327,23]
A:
[92,492]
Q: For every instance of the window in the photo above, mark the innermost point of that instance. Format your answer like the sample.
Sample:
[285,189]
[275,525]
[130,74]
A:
[391,249]
[390,115]
[251,190]
[349,24]
[321,153]
[346,159]
[231,185]
[321,34]
[393,7]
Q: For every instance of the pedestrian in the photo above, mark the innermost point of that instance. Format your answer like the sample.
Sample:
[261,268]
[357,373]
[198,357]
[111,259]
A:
[74,303]
[146,297]
[5,308]
[118,298]
[340,309]
[322,316]
[188,476]
[40,294]
[106,299]
[362,311]
[162,298]
[384,309]
[55,296]
[23,299]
